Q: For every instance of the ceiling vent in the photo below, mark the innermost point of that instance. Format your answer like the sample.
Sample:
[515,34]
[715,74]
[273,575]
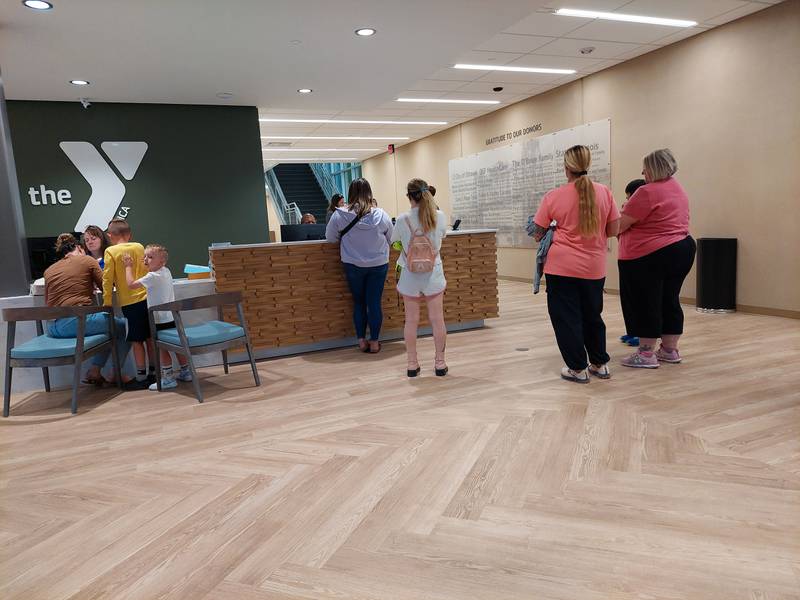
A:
[279,144]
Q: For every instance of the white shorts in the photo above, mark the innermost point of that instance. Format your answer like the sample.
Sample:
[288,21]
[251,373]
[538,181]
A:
[415,285]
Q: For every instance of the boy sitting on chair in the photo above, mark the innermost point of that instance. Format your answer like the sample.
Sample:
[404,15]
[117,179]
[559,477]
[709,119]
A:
[158,283]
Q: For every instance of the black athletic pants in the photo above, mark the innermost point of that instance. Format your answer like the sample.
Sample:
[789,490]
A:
[575,306]
[650,288]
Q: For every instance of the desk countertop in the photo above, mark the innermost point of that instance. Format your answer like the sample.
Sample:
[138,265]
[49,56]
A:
[307,242]
[9,301]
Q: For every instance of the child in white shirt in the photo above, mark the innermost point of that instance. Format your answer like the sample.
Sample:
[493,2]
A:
[158,282]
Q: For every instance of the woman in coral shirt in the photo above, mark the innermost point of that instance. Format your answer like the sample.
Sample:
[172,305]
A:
[656,254]
[575,270]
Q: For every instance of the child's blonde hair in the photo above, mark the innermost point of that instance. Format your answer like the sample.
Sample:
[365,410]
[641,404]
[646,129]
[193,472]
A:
[160,250]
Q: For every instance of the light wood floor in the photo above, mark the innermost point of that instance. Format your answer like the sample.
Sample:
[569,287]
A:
[340,479]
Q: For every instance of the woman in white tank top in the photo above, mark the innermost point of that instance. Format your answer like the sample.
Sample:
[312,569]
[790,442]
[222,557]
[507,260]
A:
[424,219]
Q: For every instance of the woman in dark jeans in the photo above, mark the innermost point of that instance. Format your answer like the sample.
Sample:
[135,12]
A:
[656,254]
[364,233]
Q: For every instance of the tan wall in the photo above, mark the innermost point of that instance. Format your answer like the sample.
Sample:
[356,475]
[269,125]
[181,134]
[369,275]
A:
[725,101]
[381,176]
[273,219]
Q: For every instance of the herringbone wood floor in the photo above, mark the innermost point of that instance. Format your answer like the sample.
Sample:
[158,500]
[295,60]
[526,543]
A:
[341,479]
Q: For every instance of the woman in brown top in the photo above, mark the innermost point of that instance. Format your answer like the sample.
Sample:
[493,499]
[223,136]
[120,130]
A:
[72,282]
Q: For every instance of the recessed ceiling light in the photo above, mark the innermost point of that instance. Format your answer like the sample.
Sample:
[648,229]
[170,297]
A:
[320,149]
[78,82]
[37,4]
[446,101]
[365,31]
[317,159]
[354,122]
[515,69]
[593,14]
[330,137]
[304,91]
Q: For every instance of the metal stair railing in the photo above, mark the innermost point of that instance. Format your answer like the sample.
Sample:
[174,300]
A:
[288,212]
[325,180]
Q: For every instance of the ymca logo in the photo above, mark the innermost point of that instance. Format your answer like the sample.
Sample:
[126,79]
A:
[107,188]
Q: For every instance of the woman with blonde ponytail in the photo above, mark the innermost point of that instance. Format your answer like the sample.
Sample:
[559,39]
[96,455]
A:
[421,230]
[575,271]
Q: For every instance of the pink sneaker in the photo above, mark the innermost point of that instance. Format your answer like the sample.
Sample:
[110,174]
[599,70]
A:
[639,360]
[668,356]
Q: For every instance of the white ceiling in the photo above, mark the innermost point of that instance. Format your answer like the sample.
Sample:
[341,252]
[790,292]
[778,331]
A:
[188,51]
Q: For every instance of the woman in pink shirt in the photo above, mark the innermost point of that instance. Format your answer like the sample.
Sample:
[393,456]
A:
[575,269]
[656,253]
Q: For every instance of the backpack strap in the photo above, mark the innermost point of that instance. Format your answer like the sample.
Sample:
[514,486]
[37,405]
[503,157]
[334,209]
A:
[413,232]
[350,225]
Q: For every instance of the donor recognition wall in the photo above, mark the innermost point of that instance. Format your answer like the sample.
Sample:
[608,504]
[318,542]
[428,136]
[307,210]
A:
[502,187]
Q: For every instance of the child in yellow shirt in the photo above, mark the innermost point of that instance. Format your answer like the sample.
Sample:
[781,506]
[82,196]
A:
[132,301]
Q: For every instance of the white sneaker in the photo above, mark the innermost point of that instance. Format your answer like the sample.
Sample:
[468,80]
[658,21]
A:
[166,384]
[576,376]
[602,372]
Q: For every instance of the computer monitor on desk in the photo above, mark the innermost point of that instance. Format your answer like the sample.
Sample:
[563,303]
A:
[302,233]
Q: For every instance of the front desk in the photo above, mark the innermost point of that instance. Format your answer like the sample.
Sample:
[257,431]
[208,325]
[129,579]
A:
[296,297]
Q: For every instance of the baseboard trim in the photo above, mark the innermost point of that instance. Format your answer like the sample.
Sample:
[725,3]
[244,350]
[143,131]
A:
[518,279]
[744,308]
[771,312]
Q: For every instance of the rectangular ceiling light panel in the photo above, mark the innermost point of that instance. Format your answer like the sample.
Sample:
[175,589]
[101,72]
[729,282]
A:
[352,122]
[446,101]
[515,69]
[593,14]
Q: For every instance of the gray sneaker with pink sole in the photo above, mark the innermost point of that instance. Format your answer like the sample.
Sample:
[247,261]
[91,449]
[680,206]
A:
[640,360]
[668,356]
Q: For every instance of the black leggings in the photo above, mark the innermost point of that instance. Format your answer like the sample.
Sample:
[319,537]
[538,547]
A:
[650,288]
[575,306]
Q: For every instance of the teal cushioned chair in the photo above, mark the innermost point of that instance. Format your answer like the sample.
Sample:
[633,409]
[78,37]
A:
[44,351]
[44,346]
[199,339]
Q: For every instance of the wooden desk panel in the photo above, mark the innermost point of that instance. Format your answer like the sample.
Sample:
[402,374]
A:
[297,293]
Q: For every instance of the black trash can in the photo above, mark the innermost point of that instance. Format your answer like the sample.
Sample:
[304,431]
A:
[716,275]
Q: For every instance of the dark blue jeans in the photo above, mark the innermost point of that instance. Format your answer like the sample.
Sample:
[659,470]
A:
[95,324]
[366,285]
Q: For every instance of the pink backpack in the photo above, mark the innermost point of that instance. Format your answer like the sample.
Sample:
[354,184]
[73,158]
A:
[421,255]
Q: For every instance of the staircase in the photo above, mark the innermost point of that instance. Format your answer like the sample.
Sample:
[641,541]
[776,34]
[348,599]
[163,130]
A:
[300,185]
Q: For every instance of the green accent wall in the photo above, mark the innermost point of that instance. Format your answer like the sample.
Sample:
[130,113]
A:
[200,181]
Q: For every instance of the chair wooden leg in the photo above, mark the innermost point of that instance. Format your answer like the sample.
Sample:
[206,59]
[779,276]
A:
[195,379]
[46,376]
[225,361]
[157,361]
[7,390]
[253,363]
[115,357]
[76,380]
